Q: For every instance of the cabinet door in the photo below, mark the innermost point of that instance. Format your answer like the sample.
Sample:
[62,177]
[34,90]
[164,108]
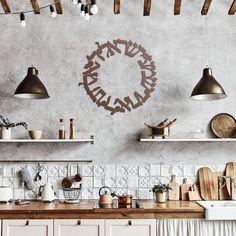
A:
[135,227]
[82,227]
[27,228]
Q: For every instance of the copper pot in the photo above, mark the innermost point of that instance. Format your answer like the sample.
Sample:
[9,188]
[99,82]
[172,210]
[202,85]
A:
[125,199]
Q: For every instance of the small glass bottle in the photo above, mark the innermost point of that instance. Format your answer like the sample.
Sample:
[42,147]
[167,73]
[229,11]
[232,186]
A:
[62,132]
[72,129]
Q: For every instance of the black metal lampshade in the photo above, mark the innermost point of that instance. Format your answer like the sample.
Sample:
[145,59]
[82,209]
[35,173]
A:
[208,88]
[31,86]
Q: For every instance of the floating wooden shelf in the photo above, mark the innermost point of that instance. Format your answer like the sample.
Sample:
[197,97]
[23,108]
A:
[188,140]
[88,140]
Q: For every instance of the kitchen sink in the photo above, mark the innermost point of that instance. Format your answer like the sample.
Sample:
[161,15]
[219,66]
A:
[219,210]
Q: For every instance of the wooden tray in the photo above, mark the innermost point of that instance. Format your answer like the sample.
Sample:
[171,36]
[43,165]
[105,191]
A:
[223,125]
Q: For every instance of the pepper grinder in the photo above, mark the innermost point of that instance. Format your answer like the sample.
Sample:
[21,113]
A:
[72,129]
[62,132]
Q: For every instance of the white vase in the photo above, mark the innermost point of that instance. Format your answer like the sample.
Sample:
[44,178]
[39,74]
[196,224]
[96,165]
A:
[161,197]
[5,133]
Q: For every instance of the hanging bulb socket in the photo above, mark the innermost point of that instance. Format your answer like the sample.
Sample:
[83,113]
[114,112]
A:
[87,16]
[22,19]
[52,10]
[82,10]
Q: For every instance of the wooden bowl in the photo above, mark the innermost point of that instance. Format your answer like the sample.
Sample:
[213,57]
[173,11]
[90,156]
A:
[35,134]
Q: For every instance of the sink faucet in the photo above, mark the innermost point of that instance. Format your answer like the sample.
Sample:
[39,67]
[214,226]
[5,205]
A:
[222,181]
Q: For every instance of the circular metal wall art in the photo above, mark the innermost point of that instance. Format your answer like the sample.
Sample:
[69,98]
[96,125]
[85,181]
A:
[223,125]
[102,97]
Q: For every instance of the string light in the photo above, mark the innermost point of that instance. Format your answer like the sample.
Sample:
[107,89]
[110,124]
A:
[94,7]
[82,10]
[86,10]
[22,19]
[86,16]
[53,13]
[79,4]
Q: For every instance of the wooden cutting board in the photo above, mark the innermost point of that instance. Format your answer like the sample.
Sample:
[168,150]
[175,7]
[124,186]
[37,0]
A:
[184,189]
[174,192]
[223,192]
[194,193]
[231,171]
[208,184]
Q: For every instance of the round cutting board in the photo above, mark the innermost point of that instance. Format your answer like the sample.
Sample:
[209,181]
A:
[223,125]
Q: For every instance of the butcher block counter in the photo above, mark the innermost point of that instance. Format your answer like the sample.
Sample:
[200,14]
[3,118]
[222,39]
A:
[85,210]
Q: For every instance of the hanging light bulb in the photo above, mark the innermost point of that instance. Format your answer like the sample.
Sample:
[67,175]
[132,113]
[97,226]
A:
[79,3]
[22,19]
[82,10]
[94,7]
[53,13]
[74,2]
[87,16]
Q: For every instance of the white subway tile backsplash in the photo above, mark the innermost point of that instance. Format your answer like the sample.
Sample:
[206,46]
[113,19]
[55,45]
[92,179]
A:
[144,193]
[8,171]
[132,179]
[87,170]
[166,170]
[144,170]
[110,170]
[19,193]
[87,193]
[121,182]
[110,181]
[188,170]
[177,170]
[155,170]
[98,182]
[121,170]
[87,182]
[133,182]
[99,170]
[144,182]
[53,170]
[132,170]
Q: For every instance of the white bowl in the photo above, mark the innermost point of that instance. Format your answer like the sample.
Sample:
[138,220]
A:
[35,134]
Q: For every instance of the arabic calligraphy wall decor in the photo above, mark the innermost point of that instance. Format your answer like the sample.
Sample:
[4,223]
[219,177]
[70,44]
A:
[102,97]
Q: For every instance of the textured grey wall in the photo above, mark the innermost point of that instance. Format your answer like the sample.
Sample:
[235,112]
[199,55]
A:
[60,47]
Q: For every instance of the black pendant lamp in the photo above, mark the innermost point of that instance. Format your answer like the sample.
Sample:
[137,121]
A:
[208,88]
[31,86]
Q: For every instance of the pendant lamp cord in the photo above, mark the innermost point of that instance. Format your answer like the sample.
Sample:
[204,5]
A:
[206,43]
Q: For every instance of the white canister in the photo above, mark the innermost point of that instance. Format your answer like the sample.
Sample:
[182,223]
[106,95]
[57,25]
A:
[5,194]
[5,133]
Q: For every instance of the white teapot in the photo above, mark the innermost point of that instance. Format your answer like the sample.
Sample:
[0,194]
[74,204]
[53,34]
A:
[47,193]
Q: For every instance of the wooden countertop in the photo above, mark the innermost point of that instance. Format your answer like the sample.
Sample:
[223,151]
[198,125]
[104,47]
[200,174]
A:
[85,210]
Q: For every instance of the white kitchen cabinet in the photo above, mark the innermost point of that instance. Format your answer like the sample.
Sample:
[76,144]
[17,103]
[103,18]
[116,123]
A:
[132,227]
[27,228]
[83,227]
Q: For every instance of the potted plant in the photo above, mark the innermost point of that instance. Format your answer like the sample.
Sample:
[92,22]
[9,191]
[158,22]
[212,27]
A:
[161,190]
[6,126]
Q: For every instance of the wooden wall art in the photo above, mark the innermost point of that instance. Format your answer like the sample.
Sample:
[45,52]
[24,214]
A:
[102,97]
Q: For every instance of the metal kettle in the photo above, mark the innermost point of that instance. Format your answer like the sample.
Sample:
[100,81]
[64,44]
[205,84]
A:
[105,195]
[47,193]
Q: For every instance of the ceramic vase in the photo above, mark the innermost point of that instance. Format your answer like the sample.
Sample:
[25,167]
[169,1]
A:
[161,197]
[5,133]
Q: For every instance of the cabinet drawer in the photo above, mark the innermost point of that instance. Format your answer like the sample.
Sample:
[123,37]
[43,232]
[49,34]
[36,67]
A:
[78,227]
[131,227]
[27,228]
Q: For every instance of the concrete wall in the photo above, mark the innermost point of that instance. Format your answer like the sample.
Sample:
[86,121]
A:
[58,48]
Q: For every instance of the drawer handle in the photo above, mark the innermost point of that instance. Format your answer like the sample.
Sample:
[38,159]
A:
[27,222]
[79,222]
[129,222]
